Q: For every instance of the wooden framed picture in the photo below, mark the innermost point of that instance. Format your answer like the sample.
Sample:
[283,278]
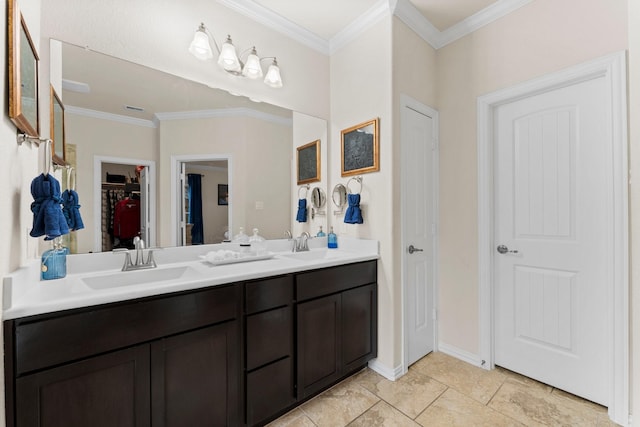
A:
[309,162]
[23,74]
[360,151]
[57,129]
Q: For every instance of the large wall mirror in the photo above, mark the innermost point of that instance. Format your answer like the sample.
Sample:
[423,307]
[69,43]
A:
[128,114]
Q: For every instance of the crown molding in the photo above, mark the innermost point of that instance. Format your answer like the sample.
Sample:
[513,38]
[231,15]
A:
[86,112]
[225,113]
[377,12]
[478,20]
[403,9]
[411,16]
[278,23]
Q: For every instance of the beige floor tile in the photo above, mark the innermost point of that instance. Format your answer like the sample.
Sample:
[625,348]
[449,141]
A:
[470,380]
[455,409]
[295,418]
[532,406]
[524,380]
[383,415]
[410,394]
[339,405]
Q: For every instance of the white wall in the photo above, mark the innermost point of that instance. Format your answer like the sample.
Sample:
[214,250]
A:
[360,91]
[542,37]
[96,137]
[157,34]
[634,198]
[307,129]
[258,149]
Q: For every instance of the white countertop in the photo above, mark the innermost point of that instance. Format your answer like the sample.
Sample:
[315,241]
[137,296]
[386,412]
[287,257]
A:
[26,295]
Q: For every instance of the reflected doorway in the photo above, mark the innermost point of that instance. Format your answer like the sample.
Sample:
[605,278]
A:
[123,203]
[202,200]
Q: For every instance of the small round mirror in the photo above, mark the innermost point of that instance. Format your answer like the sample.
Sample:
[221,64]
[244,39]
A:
[339,195]
[318,198]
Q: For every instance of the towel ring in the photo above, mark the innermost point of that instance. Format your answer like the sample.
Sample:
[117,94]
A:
[71,178]
[306,190]
[47,157]
[358,179]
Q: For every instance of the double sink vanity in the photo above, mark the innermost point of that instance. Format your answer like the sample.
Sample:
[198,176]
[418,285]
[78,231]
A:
[188,343]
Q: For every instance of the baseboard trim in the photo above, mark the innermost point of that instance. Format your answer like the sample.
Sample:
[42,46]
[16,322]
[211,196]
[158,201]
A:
[463,355]
[391,374]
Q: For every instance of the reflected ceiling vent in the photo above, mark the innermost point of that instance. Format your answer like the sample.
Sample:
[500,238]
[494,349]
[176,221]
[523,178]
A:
[74,86]
[132,108]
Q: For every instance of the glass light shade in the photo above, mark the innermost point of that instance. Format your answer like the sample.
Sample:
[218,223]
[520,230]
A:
[200,47]
[273,75]
[252,68]
[228,58]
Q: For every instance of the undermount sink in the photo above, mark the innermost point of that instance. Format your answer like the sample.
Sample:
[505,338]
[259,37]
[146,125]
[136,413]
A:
[139,277]
[311,255]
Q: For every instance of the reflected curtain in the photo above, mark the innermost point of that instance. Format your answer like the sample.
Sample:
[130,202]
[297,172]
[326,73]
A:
[195,208]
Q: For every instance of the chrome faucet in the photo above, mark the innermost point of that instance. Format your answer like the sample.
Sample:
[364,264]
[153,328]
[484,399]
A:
[140,262]
[301,244]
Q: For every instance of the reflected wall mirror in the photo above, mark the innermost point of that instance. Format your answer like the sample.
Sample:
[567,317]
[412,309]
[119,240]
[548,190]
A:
[115,108]
[23,74]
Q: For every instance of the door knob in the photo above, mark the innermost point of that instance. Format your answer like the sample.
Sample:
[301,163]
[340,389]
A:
[413,249]
[503,250]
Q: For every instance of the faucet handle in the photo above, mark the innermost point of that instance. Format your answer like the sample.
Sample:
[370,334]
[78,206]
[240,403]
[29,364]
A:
[150,261]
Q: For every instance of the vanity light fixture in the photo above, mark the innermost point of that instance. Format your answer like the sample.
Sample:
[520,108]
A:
[230,61]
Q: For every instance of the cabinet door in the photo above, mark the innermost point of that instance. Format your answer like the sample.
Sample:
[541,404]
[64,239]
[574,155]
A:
[318,344]
[359,327]
[269,390]
[194,378]
[109,390]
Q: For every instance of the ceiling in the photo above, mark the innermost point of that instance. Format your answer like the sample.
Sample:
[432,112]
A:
[326,18]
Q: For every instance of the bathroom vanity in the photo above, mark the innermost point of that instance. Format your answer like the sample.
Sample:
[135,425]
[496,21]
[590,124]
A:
[227,345]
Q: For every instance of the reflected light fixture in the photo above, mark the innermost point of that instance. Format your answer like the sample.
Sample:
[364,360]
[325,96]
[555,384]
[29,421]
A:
[230,61]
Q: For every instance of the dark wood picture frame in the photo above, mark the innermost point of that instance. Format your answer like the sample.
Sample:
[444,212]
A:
[360,148]
[223,194]
[58,144]
[23,74]
[308,162]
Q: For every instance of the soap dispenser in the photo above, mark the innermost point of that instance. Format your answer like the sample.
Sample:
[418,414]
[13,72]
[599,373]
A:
[54,261]
[241,237]
[332,239]
[321,233]
[258,243]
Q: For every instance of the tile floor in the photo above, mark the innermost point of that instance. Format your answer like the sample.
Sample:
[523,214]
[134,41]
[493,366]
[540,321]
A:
[440,390]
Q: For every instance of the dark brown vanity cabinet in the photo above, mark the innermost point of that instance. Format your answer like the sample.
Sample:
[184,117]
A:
[269,352]
[336,318]
[162,361]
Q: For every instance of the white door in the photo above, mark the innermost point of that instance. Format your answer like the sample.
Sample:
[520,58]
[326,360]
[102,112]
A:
[144,206]
[182,197]
[553,205]
[419,226]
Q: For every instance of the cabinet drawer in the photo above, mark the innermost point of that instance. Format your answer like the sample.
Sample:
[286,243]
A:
[269,336]
[326,281]
[269,390]
[42,342]
[265,294]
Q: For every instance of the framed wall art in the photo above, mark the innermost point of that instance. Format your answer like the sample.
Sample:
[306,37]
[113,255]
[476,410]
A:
[223,194]
[23,74]
[57,129]
[309,162]
[360,151]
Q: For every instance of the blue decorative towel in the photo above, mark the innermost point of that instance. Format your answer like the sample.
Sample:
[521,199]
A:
[48,219]
[71,210]
[353,214]
[302,211]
